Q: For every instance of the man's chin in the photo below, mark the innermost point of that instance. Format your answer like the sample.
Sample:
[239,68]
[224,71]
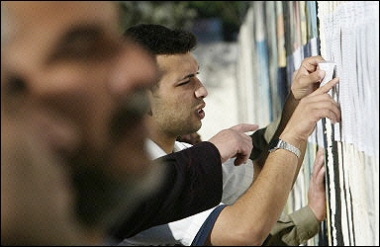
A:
[102,200]
[132,193]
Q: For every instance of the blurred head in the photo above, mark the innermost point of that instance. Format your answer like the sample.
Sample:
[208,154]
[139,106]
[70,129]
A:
[68,62]
[177,100]
[36,196]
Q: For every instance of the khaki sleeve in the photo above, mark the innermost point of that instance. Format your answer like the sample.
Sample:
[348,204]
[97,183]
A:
[271,129]
[262,137]
[293,229]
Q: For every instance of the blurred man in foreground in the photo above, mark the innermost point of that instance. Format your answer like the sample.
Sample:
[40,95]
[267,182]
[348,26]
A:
[80,87]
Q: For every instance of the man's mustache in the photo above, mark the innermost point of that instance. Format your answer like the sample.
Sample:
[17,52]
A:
[131,113]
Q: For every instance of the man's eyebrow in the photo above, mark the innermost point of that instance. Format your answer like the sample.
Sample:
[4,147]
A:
[83,30]
[75,36]
[190,75]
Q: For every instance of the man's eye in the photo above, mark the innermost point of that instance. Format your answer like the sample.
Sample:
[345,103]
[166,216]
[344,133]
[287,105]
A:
[13,91]
[14,85]
[184,83]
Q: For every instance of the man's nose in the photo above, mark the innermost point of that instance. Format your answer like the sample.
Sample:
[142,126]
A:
[201,91]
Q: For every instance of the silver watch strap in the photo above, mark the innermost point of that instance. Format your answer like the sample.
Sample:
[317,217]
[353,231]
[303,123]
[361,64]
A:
[284,145]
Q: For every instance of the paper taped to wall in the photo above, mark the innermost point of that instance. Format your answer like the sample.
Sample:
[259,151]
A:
[330,68]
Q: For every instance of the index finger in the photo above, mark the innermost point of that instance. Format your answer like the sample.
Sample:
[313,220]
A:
[245,127]
[325,88]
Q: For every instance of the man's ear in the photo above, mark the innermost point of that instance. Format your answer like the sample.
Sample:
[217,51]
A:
[149,94]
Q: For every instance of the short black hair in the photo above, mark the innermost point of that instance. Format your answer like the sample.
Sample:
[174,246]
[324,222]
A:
[161,40]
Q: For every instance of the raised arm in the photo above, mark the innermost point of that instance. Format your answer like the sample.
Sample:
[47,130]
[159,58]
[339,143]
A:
[251,218]
[305,81]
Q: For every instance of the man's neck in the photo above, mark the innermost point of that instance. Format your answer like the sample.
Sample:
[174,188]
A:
[164,142]
[162,139]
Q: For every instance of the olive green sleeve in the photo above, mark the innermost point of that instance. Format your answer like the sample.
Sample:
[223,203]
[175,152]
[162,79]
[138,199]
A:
[294,229]
[261,138]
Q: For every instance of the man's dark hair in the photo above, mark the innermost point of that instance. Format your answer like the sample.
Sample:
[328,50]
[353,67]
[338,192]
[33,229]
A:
[161,40]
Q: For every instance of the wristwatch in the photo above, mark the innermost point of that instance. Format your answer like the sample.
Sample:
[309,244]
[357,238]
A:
[278,143]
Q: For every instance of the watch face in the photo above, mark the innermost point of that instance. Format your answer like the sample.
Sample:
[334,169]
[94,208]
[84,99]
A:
[273,144]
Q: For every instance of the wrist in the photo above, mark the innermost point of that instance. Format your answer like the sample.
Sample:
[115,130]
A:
[291,139]
[281,144]
[292,96]
[320,216]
